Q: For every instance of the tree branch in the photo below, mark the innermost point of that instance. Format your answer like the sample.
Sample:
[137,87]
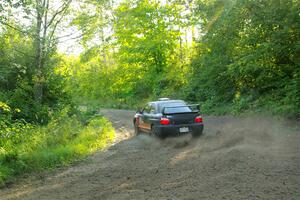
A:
[68,35]
[17,29]
[62,9]
[57,22]
[73,38]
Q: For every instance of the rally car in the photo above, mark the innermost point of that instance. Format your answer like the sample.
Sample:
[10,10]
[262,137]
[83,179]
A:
[167,117]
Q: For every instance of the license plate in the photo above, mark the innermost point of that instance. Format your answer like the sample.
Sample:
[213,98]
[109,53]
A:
[183,129]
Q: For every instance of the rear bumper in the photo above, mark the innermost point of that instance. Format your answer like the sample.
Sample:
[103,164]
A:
[174,130]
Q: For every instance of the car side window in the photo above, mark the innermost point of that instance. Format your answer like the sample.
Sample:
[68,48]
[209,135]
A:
[147,109]
[152,109]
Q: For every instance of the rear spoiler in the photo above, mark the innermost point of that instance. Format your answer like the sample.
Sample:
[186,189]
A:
[190,105]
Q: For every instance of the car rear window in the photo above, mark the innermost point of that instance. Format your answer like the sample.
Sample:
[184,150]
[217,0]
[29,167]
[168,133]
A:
[173,110]
[174,107]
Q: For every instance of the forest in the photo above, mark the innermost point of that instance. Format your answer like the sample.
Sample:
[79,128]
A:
[62,60]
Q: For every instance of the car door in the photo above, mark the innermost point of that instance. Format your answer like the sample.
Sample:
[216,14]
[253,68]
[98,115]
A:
[149,116]
[143,125]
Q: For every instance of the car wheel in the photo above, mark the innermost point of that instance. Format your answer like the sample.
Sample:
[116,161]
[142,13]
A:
[155,132]
[136,129]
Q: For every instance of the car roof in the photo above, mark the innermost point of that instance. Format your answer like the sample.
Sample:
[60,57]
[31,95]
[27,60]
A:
[166,102]
[159,104]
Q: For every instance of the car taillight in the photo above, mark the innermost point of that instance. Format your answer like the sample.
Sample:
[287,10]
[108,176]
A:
[198,119]
[164,121]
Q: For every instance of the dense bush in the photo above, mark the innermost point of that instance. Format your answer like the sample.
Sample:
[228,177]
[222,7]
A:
[30,148]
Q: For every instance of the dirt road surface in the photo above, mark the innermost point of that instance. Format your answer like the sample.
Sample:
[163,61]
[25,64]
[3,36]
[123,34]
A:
[248,158]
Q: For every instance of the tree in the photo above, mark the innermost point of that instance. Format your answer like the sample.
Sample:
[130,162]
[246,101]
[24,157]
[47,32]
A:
[247,55]
[28,56]
[146,38]
[46,24]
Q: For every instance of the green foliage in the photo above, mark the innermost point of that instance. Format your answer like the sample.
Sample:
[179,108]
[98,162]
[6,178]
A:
[147,46]
[142,60]
[26,148]
[17,76]
[247,58]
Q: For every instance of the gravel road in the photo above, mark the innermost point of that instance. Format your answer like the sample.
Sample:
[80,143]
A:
[236,158]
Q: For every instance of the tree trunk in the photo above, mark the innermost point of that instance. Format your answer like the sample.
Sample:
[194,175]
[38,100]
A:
[38,85]
[41,45]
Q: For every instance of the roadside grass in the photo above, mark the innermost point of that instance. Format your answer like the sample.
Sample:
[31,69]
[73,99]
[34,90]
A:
[65,139]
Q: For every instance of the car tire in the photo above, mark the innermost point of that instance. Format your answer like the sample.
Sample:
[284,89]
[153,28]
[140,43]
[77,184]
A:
[154,132]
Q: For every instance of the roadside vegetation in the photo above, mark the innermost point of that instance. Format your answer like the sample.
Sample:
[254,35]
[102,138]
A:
[27,147]
[231,56]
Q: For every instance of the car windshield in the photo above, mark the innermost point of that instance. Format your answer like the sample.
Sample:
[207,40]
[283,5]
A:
[174,107]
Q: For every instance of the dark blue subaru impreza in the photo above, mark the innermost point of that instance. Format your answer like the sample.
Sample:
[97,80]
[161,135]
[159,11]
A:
[167,117]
